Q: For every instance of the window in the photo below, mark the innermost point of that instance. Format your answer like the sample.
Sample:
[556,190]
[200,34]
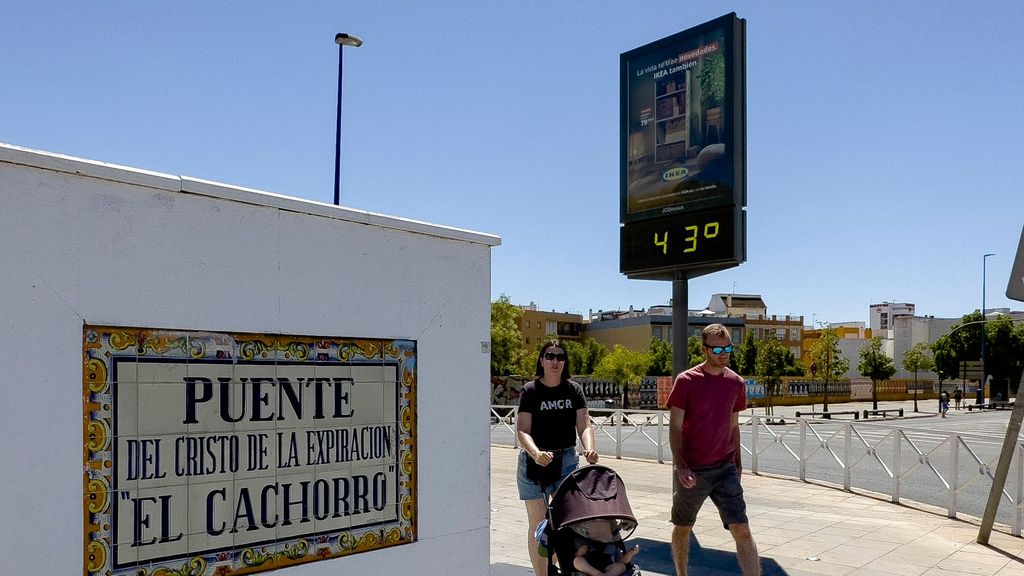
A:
[551,327]
[794,334]
[569,328]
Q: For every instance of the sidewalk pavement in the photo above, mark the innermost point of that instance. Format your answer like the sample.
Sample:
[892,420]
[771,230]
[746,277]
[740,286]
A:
[801,529]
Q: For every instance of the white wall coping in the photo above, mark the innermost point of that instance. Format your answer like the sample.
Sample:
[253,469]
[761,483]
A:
[19,155]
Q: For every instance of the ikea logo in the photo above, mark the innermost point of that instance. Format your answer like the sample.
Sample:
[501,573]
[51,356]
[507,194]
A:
[674,174]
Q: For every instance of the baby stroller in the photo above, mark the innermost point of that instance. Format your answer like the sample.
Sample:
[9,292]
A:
[589,518]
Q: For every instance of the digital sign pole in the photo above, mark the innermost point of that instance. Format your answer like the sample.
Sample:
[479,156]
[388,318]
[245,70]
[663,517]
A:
[682,173]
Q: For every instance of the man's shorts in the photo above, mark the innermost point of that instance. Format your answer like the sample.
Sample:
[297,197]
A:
[722,483]
[530,490]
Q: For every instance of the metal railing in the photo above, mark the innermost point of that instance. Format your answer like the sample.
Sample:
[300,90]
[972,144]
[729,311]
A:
[950,470]
[622,430]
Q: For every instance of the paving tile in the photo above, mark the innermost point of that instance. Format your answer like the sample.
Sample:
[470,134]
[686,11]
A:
[847,534]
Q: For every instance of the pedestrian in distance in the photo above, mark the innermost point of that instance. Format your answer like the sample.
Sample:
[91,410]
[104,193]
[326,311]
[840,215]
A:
[552,414]
[704,406]
[943,403]
[958,397]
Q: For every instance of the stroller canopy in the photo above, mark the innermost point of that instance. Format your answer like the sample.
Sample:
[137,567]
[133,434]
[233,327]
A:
[589,493]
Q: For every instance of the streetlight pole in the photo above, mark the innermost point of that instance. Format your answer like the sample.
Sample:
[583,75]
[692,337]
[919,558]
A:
[874,383]
[981,386]
[341,40]
[814,378]
[828,371]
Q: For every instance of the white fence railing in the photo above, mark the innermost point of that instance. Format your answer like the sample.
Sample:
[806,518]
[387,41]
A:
[949,470]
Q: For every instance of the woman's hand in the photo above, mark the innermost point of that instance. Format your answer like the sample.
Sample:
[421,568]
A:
[543,458]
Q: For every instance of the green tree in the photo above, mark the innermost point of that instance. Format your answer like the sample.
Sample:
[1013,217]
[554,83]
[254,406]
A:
[828,362]
[528,360]
[1018,370]
[945,358]
[769,366]
[793,368]
[746,355]
[1004,349]
[693,345]
[624,367]
[962,342]
[916,359]
[660,352]
[826,357]
[876,365]
[506,337]
[576,357]
[584,356]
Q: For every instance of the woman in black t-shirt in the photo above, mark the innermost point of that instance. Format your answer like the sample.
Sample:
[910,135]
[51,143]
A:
[552,413]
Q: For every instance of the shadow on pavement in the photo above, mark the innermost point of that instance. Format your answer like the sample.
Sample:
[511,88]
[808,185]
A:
[1011,555]
[502,569]
[655,557]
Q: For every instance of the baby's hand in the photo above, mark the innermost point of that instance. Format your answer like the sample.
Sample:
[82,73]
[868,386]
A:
[628,556]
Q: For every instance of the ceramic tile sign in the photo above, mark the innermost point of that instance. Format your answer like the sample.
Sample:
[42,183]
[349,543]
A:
[211,453]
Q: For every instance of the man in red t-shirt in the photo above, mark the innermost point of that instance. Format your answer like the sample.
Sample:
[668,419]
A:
[704,407]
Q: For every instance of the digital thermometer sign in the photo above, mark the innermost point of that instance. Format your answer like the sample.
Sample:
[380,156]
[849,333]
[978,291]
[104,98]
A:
[700,242]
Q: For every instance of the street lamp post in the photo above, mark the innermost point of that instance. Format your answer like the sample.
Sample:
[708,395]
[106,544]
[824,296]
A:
[814,378]
[341,40]
[981,385]
[874,383]
[828,372]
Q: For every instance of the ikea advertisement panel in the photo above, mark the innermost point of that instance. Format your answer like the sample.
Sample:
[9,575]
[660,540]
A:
[682,133]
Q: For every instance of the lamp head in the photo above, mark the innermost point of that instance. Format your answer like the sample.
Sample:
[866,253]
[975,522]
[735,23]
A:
[343,39]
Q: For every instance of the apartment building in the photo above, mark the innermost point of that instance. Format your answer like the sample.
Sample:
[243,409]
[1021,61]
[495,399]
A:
[536,324]
[634,329]
[751,308]
[882,317]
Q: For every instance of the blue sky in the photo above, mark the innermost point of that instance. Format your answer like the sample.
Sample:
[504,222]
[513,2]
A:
[885,139]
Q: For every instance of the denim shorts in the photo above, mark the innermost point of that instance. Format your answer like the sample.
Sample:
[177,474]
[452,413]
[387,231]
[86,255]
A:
[530,490]
[722,483]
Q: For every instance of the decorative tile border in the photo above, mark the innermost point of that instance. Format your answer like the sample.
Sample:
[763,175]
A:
[211,453]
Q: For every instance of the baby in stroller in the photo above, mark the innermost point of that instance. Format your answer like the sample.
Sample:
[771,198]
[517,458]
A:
[601,551]
[587,516]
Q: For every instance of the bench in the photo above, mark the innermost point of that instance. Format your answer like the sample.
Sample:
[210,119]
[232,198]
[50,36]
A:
[994,405]
[883,413]
[829,415]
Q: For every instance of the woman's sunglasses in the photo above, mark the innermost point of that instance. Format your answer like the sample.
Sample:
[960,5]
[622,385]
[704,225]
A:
[552,356]
[716,350]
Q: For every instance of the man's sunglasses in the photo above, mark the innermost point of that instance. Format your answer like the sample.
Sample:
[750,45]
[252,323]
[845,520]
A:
[719,349]
[552,356]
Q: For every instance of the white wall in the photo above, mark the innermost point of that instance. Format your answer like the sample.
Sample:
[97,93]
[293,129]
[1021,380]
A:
[88,242]
[849,348]
[911,330]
